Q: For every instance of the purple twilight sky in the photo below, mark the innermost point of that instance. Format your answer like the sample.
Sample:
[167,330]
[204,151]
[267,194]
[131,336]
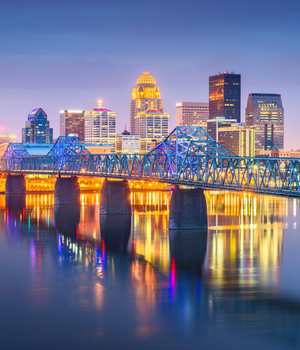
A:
[67,54]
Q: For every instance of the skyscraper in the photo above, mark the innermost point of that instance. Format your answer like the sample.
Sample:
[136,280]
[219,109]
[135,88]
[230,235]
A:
[192,114]
[225,96]
[152,125]
[100,127]
[145,96]
[239,139]
[37,128]
[214,125]
[72,122]
[266,114]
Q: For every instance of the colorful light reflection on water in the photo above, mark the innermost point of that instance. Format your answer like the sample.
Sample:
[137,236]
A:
[68,281]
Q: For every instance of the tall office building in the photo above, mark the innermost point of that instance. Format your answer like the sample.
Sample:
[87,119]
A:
[72,123]
[145,96]
[239,139]
[192,114]
[152,125]
[100,127]
[225,96]
[266,114]
[214,125]
[37,128]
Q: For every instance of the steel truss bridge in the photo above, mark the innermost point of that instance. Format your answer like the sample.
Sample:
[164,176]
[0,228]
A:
[188,156]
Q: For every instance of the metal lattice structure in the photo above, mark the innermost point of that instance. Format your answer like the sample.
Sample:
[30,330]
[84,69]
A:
[186,150]
[188,156]
[64,147]
[67,145]
[13,156]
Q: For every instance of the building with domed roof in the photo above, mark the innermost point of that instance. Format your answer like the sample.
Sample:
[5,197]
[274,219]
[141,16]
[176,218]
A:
[145,95]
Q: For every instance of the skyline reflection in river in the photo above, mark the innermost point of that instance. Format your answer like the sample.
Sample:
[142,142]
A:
[234,285]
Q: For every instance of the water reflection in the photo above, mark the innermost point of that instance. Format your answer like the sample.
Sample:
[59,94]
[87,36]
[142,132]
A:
[188,249]
[225,281]
[115,232]
[15,203]
[150,237]
[67,218]
[246,238]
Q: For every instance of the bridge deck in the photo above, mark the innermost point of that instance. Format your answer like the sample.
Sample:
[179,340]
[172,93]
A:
[188,156]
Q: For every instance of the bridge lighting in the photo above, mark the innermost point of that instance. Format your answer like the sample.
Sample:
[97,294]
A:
[280,175]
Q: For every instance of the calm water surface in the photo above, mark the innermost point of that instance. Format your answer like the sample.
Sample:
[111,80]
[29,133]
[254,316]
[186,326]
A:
[71,279]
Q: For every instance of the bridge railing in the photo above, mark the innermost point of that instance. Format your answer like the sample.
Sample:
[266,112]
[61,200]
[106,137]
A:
[265,175]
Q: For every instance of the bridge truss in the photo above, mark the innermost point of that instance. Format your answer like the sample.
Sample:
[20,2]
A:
[188,156]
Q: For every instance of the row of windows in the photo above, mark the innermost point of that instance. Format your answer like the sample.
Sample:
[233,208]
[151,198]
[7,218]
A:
[192,107]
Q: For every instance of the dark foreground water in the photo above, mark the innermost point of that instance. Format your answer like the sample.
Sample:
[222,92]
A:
[70,279]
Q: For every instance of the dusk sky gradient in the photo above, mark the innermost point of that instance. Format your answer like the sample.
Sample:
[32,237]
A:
[66,54]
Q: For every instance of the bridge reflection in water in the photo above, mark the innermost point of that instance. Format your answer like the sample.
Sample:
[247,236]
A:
[230,272]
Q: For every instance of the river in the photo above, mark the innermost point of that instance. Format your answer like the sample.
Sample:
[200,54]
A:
[71,279]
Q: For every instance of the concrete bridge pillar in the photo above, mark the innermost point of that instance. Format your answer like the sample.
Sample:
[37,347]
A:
[188,209]
[115,198]
[66,191]
[115,215]
[15,184]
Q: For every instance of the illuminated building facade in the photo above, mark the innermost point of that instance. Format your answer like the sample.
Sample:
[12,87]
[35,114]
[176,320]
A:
[214,125]
[192,114]
[3,148]
[240,140]
[145,96]
[128,144]
[225,96]
[152,124]
[100,127]
[72,123]
[37,128]
[99,148]
[8,139]
[279,153]
[266,114]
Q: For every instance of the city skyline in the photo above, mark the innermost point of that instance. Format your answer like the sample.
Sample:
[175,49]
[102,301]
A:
[62,66]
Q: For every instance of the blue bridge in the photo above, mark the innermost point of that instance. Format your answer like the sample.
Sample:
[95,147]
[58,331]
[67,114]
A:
[188,156]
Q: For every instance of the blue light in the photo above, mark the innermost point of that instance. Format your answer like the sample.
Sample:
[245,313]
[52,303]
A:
[188,156]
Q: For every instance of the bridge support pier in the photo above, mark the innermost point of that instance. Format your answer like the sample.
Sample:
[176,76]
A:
[115,198]
[115,215]
[66,191]
[188,209]
[15,184]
